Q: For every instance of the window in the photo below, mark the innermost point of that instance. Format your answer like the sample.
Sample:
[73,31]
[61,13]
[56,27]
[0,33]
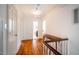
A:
[35,29]
[44,26]
[76,15]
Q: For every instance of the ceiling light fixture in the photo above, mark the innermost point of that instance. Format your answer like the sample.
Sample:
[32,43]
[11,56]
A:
[36,10]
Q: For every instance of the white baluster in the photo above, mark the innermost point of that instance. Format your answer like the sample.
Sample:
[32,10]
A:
[66,47]
[61,46]
[43,49]
[48,51]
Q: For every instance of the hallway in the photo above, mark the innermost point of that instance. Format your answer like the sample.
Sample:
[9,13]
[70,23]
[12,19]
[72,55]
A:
[22,25]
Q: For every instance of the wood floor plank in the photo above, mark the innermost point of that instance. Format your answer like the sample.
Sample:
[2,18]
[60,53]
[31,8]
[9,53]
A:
[31,47]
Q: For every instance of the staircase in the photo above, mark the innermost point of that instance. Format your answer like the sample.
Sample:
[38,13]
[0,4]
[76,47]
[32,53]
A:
[48,45]
[54,45]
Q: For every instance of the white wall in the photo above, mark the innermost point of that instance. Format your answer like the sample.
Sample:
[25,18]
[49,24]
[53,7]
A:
[59,22]
[25,27]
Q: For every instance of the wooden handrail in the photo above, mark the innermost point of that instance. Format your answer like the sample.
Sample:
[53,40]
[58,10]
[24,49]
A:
[53,38]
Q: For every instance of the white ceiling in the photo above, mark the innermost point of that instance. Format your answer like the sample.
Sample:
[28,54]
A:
[27,9]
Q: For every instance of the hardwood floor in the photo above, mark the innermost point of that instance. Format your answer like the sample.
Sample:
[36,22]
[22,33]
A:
[31,47]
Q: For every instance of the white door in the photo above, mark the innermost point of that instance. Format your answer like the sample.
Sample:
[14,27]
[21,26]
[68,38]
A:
[12,40]
[1,36]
